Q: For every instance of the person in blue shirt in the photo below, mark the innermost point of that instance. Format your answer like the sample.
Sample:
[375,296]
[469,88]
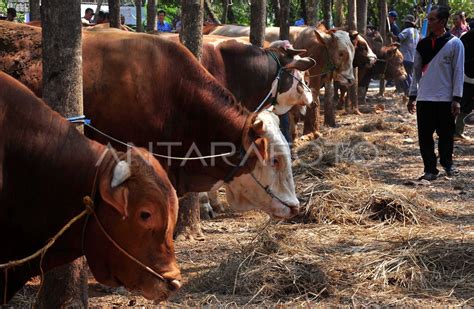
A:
[392,18]
[162,25]
[300,22]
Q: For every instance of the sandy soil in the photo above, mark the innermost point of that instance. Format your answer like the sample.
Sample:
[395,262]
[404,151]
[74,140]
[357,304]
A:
[366,263]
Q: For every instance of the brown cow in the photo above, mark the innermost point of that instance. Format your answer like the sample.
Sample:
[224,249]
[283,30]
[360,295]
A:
[250,72]
[46,169]
[334,53]
[272,34]
[143,89]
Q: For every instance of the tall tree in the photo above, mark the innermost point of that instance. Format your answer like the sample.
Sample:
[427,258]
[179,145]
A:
[339,18]
[225,11]
[258,16]
[151,16]
[304,10]
[114,13]
[35,13]
[327,13]
[383,31]
[443,2]
[97,10]
[138,5]
[65,286]
[312,9]
[352,23]
[362,16]
[276,11]
[189,223]
[212,16]
[192,19]
[351,14]
[284,19]
[329,106]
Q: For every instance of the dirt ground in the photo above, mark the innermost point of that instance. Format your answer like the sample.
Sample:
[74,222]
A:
[371,234]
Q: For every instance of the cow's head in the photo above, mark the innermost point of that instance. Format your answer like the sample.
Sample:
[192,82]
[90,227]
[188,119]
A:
[375,41]
[138,209]
[364,56]
[341,53]
[290,88]
[394,68]
[272,170]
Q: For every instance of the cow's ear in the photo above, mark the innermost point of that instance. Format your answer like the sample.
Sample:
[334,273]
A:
[112,188]
[302,64]
[323,37]
[261,147]
[294,52]
[353,35]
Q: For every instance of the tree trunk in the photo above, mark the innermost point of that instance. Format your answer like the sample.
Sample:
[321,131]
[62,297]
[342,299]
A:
[151,16]
[351,14]
[304,11]
[213,17]
[352,23]
[362,16]
[339,19]
[225,10]
[97,10]
[443,2]
[284,20]
[35,13]
[327,13]
[276,11]
[114,13]
[192,19]
[65,286]
[312,9]
[258,17]
[230,15]
[138,5]
[329,106]
[189,221]
[383,33]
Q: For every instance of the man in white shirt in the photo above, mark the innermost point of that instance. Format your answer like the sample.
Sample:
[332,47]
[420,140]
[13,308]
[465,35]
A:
[437,87]
[86,20]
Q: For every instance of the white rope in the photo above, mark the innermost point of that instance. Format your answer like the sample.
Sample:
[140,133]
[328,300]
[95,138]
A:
[155,154]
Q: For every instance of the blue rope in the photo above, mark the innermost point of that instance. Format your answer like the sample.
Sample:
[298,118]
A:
[79,119]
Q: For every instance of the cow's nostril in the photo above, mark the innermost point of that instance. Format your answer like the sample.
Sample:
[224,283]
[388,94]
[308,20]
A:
[174,285]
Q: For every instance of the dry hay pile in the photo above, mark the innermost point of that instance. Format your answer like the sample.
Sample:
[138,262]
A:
[335,187]
[423,264]
[271,268]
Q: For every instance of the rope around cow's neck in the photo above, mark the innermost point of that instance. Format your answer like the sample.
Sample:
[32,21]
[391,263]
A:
[226,154]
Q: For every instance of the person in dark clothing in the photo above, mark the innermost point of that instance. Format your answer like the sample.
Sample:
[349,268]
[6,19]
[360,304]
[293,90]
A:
[467,102]
[392,18]
[437,87]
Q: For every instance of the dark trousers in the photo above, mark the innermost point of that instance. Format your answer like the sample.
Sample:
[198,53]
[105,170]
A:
[431,117]
[285,127]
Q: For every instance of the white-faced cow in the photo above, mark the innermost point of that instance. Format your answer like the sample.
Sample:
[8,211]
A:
[152,92]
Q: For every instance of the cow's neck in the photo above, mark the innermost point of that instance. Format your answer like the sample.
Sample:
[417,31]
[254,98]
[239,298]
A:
[251,73]
[50,167]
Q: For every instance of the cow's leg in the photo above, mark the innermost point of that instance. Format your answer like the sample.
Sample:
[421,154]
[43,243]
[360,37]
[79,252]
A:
[294,116]
[205,209]
[312,117]
[215,202]
[189,223]
[338,98]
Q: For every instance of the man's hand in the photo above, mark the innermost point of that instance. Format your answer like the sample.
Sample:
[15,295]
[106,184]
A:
[455,108]
[411,106]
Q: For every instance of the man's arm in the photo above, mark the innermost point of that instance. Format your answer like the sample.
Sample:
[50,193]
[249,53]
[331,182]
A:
[458,71]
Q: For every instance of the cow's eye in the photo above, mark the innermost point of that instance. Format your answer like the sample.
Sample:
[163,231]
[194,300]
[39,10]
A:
[341,54]
[275,162]
[145,215]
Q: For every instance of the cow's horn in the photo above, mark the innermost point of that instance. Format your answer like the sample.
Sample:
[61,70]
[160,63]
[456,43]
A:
[121,173]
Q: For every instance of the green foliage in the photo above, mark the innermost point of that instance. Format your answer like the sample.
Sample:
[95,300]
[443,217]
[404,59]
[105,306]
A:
[462,5]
